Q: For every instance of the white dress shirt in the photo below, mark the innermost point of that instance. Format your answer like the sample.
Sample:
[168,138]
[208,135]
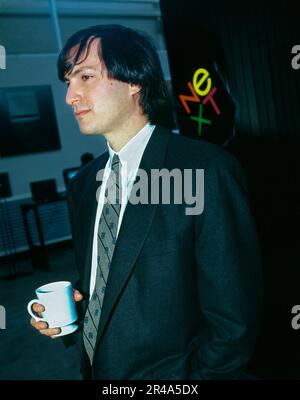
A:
[130,157]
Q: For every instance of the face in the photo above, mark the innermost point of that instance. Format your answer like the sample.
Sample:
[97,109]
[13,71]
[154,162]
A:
[101,105]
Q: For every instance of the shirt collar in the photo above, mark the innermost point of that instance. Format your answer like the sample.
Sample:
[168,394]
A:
[131,154]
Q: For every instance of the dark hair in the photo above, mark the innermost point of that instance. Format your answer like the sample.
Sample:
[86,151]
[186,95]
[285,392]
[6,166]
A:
[129,56]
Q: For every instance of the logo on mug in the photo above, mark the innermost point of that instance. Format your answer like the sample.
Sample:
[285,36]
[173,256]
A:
[2,57]
[2,317]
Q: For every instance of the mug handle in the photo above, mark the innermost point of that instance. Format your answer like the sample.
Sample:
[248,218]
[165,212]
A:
[30,304]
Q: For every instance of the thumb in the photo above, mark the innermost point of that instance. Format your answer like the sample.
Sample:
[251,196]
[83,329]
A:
[77,295]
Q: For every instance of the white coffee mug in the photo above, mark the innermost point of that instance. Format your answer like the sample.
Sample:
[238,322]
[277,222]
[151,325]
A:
[60,310]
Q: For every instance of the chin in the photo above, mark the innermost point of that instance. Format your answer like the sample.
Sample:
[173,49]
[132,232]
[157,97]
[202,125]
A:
[88,130]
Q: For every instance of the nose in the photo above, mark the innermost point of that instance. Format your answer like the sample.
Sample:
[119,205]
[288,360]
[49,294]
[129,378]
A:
[72,96]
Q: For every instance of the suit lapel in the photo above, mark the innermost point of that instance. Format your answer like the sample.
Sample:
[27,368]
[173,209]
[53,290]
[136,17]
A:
[135,225]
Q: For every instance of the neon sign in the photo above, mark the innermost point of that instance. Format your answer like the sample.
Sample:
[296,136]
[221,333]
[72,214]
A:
[202,92]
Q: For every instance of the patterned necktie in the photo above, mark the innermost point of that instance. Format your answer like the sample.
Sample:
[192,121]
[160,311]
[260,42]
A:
[107,236]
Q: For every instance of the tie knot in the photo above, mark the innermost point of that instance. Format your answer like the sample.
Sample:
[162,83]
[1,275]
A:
[115,161]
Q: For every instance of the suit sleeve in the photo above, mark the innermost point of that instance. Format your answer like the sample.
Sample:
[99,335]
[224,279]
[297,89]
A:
[228,272]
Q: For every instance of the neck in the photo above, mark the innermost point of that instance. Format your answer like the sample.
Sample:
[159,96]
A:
[117,140]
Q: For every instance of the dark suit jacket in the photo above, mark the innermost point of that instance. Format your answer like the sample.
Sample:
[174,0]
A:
[183,295]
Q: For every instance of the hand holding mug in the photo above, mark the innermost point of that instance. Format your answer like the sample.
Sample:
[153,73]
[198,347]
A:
[54,309]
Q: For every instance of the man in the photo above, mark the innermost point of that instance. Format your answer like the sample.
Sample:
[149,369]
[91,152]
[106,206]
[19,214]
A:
[174,294]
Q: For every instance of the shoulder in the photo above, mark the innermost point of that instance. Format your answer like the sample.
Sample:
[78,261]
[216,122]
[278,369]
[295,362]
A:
[193,153]
[217,163]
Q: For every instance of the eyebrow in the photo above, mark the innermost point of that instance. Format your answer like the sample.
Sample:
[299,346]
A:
[79,70]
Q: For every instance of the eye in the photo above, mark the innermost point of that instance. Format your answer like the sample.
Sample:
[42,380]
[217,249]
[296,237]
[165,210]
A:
[86,77]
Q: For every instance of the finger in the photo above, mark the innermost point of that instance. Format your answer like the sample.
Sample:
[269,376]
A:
[77,295]
[38,325]
[38,309]
[33,322]
[50,331]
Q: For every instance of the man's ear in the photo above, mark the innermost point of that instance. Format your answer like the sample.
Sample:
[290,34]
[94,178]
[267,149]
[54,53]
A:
[134,88]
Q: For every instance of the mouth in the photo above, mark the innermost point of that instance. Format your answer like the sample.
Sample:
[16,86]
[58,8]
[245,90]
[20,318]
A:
[81,114]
